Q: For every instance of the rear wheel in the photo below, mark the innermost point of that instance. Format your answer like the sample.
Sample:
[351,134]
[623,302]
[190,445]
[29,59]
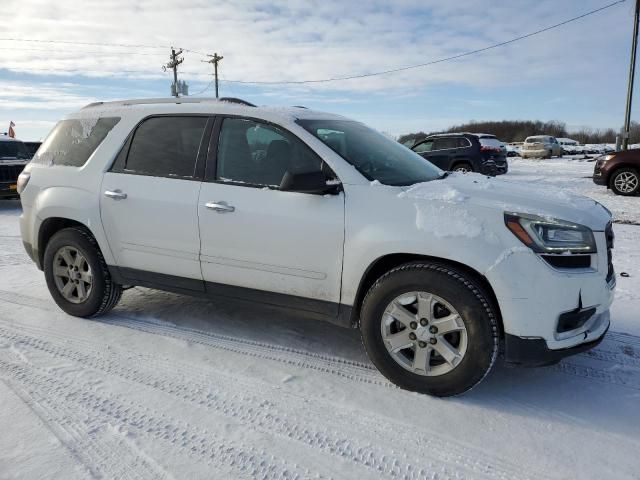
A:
[430,329]
[77,275]
[625,181]
[463,167]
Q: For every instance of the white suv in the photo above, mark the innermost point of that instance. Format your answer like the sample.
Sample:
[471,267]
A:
[317,213]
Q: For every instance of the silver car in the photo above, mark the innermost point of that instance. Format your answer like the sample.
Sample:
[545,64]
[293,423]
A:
[541,146]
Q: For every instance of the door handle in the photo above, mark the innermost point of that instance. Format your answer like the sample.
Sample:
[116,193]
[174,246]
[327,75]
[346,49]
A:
[220,207]
[115,194]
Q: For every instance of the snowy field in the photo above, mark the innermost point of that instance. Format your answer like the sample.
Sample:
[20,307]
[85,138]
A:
[175,387]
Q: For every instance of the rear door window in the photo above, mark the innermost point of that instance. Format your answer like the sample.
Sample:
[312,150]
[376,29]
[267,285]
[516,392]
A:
[166,147]
[445,143]
[73,141]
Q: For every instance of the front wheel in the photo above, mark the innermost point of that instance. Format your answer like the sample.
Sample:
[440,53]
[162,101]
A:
[625,181]
[429,328]
[77,275]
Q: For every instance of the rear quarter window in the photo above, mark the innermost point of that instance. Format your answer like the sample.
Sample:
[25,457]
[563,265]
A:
[73,141]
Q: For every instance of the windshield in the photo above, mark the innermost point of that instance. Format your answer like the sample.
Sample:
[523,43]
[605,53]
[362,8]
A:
[371,153]
[14,150]
[535,140]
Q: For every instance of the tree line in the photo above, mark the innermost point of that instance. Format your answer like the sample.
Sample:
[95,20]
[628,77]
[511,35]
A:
[518,130]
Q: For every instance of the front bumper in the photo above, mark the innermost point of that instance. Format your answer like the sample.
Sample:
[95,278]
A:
[598,177]
[536,299]
[534,352]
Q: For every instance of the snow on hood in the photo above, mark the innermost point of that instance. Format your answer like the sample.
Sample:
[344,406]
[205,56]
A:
[458,193]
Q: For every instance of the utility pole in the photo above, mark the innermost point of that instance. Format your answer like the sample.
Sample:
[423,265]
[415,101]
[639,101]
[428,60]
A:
[632,73]
[173,65]
[215,58]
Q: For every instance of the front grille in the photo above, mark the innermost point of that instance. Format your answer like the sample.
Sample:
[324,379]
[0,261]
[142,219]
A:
[610,237]
[9,173]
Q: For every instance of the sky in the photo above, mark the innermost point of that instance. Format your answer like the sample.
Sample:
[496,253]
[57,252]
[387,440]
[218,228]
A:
[576,73]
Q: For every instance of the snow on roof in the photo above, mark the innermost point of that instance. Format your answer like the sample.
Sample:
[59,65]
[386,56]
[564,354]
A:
[483,134]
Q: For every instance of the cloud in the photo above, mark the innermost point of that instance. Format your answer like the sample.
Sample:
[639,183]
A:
[307,39]
[310,39]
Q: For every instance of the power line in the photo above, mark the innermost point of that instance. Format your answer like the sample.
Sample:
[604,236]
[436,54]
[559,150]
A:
[113,53]
[80,71]
[203,90]
[93,44]
[432,62]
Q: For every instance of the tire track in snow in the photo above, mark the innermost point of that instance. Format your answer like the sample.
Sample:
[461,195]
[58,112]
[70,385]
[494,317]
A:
[262,413]
[102,408]
[102,451]
[359,371]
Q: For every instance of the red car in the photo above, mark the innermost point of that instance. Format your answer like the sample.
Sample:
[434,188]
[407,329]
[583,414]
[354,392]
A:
[619,171]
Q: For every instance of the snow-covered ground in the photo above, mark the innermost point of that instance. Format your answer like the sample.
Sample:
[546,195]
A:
[175,387]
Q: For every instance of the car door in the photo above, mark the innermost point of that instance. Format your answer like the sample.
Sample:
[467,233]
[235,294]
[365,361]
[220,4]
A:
[443,153]
[435,151]
[259,242]
[149,201]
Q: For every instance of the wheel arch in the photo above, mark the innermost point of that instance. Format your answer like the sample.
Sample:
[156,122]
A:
[48,228]
[457,161]
[388,262]
[620,166]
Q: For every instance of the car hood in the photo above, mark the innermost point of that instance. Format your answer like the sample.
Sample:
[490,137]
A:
[510,196]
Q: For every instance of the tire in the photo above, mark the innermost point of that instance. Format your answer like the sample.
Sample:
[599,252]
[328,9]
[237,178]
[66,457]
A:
[475,310]
[463,167]
[101,293]
[549,155]
[625,181]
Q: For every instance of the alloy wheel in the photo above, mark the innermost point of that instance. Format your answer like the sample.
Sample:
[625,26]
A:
[72,274]
[424,333]
[626,182]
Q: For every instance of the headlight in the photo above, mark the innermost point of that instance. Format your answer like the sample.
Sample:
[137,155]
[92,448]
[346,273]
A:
[605,158]
[549,235]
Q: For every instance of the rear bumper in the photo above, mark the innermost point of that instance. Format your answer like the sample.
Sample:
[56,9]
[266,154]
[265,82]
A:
[534,352]
[534,153]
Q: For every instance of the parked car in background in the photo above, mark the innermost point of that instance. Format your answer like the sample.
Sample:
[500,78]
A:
[541,146]
[320,214]
[619,171]
[464,152]
[32,147]
[14,155]
[513,151]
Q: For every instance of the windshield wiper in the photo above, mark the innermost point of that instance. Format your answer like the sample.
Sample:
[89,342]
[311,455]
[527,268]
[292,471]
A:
[444,175]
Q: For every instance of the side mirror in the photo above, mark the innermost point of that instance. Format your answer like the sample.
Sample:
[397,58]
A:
[310,182]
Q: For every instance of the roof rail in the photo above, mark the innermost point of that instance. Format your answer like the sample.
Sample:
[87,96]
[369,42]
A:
[239,101]
[150,101]
[300,106]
